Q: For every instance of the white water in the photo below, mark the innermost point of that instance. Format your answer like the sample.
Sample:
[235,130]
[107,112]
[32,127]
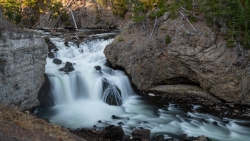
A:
[79,100]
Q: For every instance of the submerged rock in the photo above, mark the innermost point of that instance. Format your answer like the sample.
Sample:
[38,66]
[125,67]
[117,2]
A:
[97,67]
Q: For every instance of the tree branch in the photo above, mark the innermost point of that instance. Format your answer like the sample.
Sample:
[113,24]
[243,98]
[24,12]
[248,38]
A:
[188,21]
[152,30]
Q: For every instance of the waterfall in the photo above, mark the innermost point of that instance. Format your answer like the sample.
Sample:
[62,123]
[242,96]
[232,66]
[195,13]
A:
[90,93]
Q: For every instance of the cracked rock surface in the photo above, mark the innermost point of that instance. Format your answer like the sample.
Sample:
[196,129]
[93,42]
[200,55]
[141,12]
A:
[192,57]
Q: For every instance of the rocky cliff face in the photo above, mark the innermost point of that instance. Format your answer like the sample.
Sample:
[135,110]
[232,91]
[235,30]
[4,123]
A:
[90,14]
[22,62]
[87,14]
[192,57]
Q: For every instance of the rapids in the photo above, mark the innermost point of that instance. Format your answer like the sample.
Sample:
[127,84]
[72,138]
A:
[79,99]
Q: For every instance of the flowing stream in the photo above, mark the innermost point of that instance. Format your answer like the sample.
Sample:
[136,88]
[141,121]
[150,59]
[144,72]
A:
[80,97]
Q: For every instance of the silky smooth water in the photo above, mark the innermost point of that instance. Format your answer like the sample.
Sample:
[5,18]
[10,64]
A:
[79,99]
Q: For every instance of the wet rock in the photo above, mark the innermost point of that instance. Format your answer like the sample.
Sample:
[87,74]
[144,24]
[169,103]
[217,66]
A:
[111,93]
[51,46]
[141,134]
[51,55]
[202,138]
[215,123]
[66,43]
[55,49]
[97,67]
[68,64]
[188,138]
[57,61]
[113,133]
[115,117]
[45,95]
[81,35]
[67,68]
[120,123]
[158,138]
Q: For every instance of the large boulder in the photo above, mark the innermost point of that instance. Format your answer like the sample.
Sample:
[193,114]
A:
[177,54]
[23,56]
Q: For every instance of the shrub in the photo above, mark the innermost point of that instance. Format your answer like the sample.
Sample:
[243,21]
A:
[120,39]
[167,39]
[58,10]
[12,10]
[120,7]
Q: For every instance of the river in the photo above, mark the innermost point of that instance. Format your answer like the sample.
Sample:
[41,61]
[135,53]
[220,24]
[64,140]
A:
[80,97]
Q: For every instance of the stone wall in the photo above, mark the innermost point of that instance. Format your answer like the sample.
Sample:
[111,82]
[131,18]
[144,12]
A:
[22,63]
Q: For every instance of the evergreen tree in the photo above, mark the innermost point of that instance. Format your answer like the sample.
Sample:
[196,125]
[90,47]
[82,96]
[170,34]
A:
[137,10]
[12,10]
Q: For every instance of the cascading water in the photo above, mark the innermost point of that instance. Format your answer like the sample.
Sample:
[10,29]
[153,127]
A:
[81,95]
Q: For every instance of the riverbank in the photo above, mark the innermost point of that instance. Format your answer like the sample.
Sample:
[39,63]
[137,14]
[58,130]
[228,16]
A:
[22,126]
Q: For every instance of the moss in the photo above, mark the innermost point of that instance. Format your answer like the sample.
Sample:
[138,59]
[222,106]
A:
[167,39]
[120,39]
[115,57]
[193,19]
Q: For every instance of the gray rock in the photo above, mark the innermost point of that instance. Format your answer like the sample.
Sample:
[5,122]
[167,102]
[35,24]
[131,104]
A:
[166,16]
[23,56]
[202,58]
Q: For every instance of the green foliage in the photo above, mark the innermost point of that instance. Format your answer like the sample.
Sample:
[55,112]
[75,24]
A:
[167,39]
[58,10]
[192,18]
[115,57]
[149,4]
[30,3]
[103,3]
[120,39]
[236,15]
[120,7]
[160,12]
[137,10]
[12,10]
